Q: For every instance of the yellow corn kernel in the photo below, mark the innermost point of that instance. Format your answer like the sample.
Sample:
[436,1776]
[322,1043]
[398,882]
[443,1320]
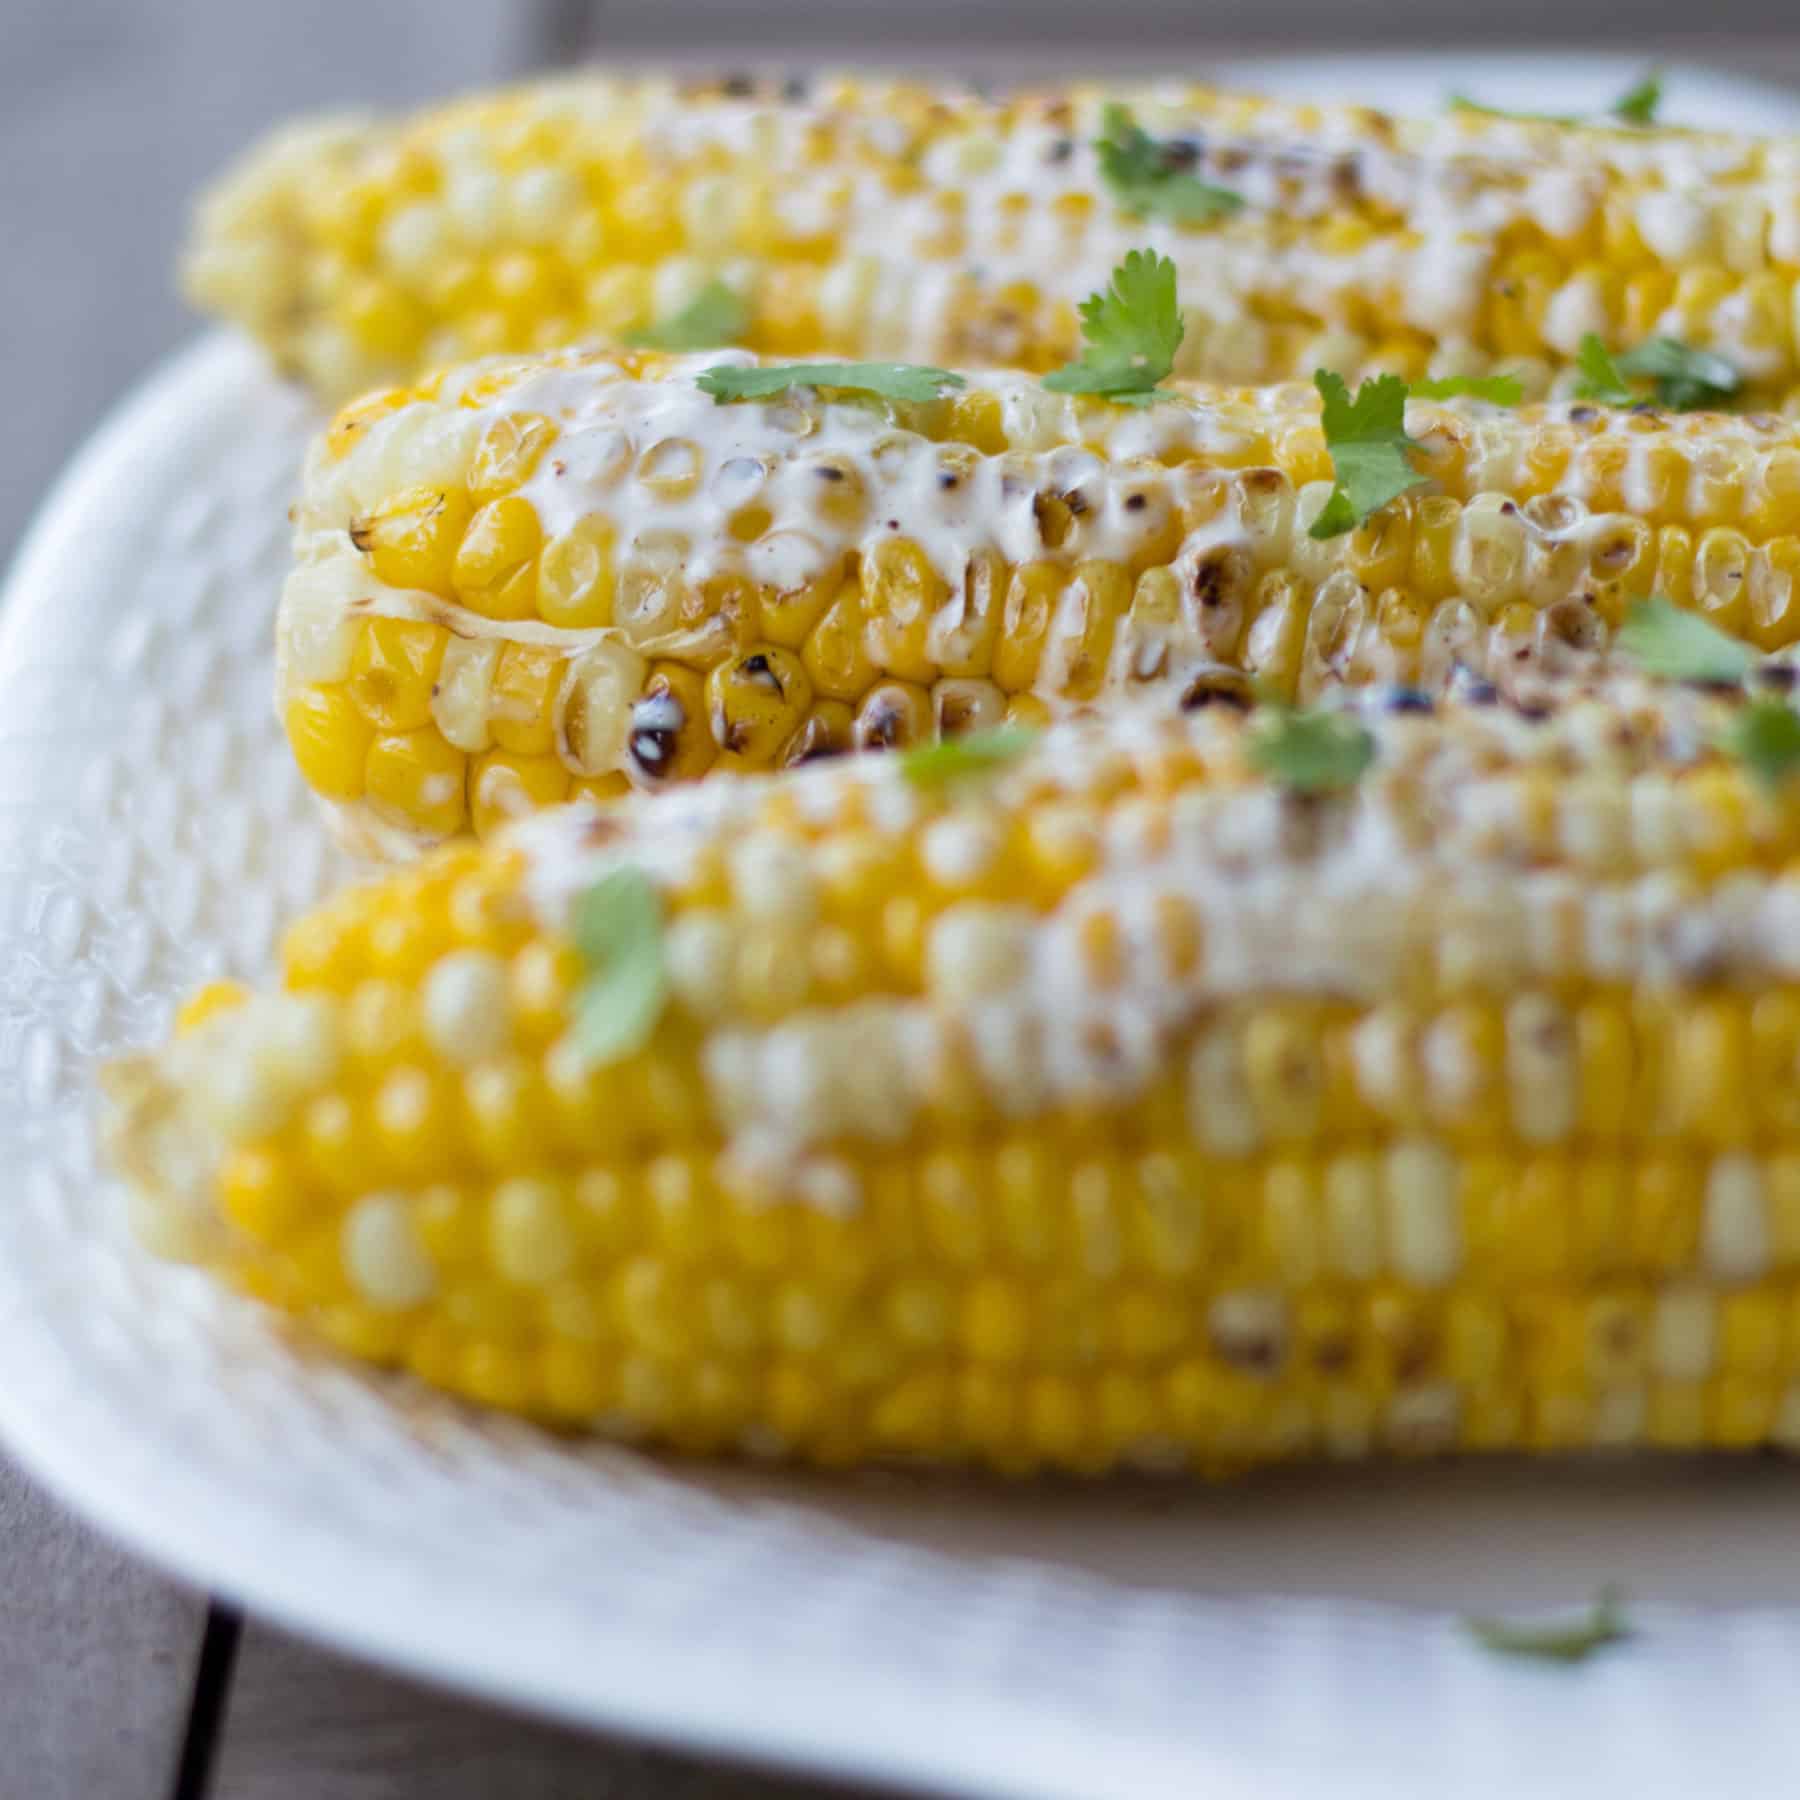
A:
[506,454]
[411,539]
[415,780]
[504,786]
[577,577]
[330,739]
[393,671]
[521,704]
[494,572]
[756,701]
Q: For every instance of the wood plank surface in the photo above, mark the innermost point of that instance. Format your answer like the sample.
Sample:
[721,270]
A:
[96,1659]
[304,1723]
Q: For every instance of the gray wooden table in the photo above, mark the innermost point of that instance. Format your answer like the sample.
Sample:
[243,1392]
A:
[114,1683]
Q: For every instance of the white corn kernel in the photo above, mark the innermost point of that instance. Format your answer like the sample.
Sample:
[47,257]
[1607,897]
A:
[529,1232]
[1219,1108]
[459,696]
[977,949]
[699,950]
[1735,1228]
[466,1007]
[1424,1232]
[383,1256]
[1681,1335]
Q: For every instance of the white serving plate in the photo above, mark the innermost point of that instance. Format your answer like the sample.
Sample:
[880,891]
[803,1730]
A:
[1293,1635]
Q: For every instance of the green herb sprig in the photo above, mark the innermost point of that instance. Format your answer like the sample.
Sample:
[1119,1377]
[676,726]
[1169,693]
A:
[1674,644]
[1371,455]
[716,315]
[617,929]
[1497,390]
[1765,738]
[936,766]
[1309,751]
[1681,378]
[1572,1641]
[885,381]
[1638,105]
[1132,329]
[1147,179]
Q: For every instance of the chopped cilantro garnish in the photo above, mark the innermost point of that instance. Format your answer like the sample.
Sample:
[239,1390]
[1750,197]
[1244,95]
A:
[1636,106]
[1573,1641]
[1601,378]
[951,759]
[1148,178]
[1370,451]
[1686,379]
[1678,645]
[887,381]
[1309,752]
[1132,330]
[618,930]
[716,315]
[1765,738]
[1499,390]
[1682,378]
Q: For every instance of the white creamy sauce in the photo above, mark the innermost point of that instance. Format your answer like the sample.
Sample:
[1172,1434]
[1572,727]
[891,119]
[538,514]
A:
[1430,858]
[1024,195]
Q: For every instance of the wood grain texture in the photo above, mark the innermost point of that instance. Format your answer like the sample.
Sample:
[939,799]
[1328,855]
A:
[112,112]
[304,1723]
[96,1659]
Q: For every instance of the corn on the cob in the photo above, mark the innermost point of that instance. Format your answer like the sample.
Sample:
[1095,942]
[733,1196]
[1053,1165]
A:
[542,579]
[940,226]
[1121,1105]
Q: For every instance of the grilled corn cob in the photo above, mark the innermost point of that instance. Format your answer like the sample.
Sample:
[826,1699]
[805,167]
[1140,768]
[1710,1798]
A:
[556,577]
[1120,1104]
[940,226]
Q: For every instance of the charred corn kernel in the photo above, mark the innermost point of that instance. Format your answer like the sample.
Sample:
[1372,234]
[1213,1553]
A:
[756,701]
[932,1144]
[679,587]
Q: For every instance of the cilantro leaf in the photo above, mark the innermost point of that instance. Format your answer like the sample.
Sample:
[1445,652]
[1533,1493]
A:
[1765,738]
[1638,105]
[1686,379]
[1601,377]
[617,929]
[951,759]
[1682,378]
[1575,1641]
[1147,178]
[1133,329]
[1311,752]
[1677,645]
[887,381]
[716,315]
[1370,451]
[1499,390]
